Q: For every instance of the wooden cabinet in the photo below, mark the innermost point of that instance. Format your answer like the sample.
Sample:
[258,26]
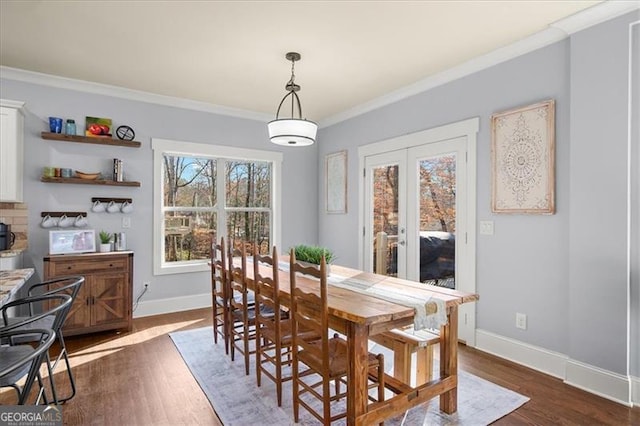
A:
[11,150]
[104,302]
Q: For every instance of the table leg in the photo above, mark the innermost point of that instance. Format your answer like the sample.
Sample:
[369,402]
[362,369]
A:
[357,371]
[449,359]
[402,362]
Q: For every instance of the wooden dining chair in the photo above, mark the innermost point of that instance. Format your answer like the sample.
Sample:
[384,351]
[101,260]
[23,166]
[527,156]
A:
[220,292]
[241,311]
[273,324]
[326,357]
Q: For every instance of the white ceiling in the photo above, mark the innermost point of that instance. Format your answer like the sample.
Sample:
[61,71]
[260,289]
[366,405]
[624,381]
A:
[232,53]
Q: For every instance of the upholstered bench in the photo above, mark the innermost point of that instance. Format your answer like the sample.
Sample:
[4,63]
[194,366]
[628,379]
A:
[404,342]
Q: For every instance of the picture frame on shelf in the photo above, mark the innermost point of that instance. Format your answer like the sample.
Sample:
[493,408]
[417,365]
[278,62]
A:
[98,127]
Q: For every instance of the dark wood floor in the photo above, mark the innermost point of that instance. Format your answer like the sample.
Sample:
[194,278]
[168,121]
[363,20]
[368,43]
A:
[139,378]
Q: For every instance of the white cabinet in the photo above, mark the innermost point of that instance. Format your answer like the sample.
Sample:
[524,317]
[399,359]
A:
[11,150]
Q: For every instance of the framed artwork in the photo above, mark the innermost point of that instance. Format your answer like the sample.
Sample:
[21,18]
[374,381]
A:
[336,182]
[523,160]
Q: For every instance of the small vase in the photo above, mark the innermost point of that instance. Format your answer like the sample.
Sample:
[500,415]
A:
[104,248]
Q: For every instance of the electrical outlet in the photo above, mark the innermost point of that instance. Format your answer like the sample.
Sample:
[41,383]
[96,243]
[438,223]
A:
[126,222]
[521,321]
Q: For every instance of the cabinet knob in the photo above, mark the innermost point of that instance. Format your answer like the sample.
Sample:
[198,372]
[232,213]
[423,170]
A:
[111,265]
[68,267]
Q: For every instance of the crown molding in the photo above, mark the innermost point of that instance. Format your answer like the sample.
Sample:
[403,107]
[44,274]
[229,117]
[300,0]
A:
[124,93]
[557,31]
[595,15]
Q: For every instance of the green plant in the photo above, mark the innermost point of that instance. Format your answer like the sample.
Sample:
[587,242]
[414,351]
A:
[105,237]
[313,254]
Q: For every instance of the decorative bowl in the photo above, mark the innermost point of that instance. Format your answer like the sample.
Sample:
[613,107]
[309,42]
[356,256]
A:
[88,176]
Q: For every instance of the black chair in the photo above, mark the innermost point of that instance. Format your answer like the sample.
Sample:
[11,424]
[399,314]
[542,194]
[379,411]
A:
[54,308]
[65,285]
[20,360]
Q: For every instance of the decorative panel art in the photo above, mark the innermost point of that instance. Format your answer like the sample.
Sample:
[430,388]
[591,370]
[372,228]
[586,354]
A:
[523,157]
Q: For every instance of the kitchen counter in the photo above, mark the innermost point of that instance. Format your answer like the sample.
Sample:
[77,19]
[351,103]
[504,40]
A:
[11,281]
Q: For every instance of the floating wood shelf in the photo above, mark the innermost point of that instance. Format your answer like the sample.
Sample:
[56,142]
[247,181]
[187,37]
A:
[58,214]
[89,140]
[88,181]
[115,200]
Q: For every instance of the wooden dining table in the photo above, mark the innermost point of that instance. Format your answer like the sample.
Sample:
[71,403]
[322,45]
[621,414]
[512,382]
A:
[359,316]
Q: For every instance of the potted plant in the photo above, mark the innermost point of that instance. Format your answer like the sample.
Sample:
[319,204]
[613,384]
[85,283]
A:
[313,254]
[105,242]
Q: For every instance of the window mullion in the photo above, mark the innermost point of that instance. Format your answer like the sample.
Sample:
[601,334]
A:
[221,201]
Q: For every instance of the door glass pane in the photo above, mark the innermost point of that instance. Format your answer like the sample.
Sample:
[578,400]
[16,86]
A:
[437,177]
[385,220]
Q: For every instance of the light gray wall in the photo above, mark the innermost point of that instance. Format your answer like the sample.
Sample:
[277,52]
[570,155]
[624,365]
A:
[598,236]
[525,260]
[567,271]
[299,173]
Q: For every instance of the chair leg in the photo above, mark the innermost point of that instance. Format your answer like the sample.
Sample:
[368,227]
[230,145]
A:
[296,390]
[246,346]
[258,357]
[72,381]
[380,380]
[53,385]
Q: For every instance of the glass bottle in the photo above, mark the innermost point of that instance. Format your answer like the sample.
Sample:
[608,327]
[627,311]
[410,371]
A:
[70,127]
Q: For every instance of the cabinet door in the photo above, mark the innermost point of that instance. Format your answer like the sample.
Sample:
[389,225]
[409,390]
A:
[78,316]
[109,299]
[10,154]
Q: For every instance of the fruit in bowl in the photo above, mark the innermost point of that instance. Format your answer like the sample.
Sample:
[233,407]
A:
[88,176]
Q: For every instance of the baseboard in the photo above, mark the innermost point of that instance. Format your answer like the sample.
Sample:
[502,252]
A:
[543,360]
[174,304]
[635,391]
[598,381]
[587,377]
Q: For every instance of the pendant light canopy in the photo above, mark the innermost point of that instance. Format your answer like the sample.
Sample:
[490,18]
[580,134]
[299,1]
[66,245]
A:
[292,131]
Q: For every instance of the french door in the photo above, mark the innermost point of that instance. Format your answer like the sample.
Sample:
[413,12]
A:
[418,210]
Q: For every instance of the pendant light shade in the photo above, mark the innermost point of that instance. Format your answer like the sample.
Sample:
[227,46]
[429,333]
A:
[292,131]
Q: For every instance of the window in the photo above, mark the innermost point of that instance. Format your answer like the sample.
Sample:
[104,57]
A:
[203,190]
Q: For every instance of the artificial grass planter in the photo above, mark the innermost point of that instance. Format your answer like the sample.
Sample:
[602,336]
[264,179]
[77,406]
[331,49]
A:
[313,254]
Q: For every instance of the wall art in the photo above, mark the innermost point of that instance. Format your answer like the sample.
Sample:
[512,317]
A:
[336,182]
[523,159]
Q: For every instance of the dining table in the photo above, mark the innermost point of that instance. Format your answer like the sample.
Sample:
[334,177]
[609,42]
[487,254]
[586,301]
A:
[360,314]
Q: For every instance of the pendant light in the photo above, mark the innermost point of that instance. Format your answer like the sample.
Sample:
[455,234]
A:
[292,131]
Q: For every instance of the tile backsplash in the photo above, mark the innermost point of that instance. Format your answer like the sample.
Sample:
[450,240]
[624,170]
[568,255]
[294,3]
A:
[16,215]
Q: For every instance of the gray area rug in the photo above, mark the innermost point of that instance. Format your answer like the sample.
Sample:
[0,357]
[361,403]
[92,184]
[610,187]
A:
[238,401]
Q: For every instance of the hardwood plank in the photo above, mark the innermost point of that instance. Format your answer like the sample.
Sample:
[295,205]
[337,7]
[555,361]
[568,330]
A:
[141,375]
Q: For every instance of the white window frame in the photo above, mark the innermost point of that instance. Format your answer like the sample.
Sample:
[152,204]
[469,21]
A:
[163,147]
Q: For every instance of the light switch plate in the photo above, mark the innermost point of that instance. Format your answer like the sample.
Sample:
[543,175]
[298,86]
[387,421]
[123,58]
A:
[486,227]
[126,222]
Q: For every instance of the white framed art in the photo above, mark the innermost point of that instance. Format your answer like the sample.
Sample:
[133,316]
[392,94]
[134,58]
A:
[336,182]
